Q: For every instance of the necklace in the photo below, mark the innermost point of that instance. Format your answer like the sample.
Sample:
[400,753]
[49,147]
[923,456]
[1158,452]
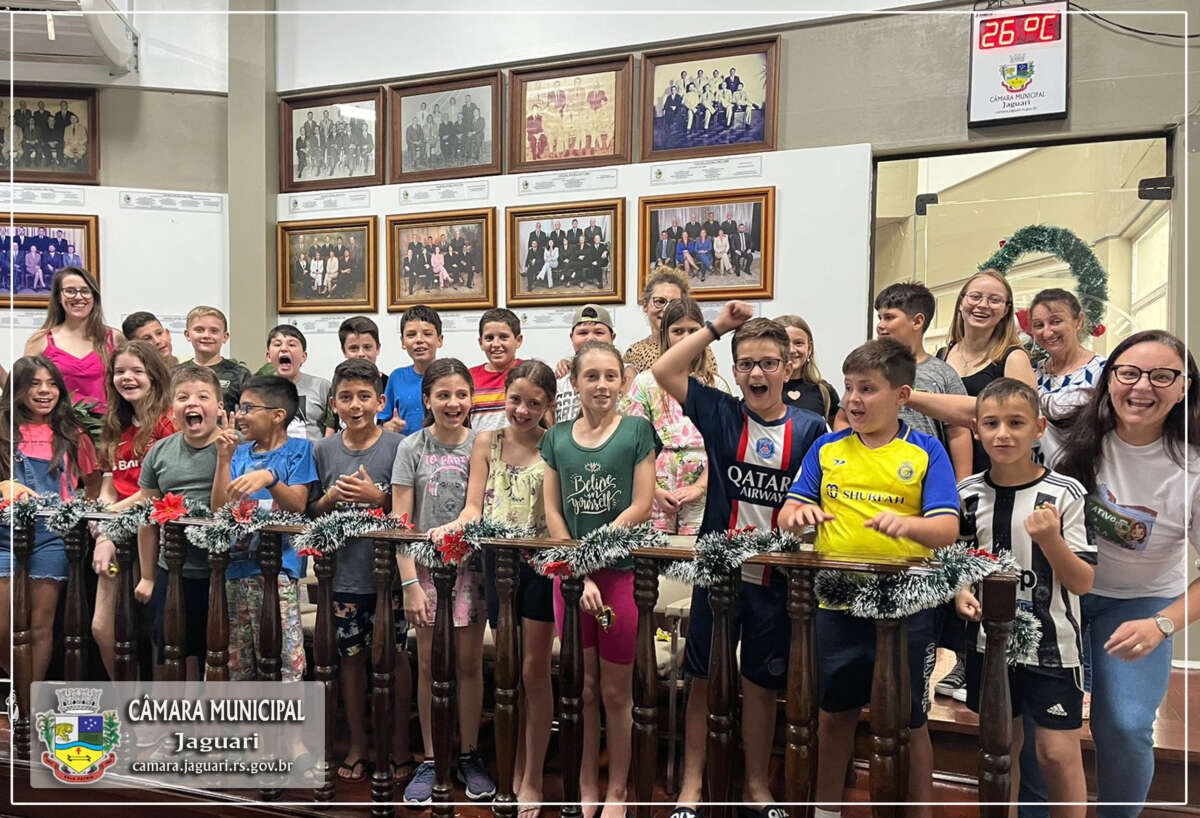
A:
[969,365]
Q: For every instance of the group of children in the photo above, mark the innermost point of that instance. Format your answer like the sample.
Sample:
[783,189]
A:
[446,444]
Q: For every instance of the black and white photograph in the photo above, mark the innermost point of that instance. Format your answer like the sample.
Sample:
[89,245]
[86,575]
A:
[327,265]
[36,246]
[446,130]
[446,260]
[566,254]
[52,134]
[332,141]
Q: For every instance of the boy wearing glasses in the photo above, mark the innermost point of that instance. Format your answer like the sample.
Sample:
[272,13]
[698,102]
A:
[276,471]
[754,447]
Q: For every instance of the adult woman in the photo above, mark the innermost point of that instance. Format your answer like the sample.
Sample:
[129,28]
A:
[807,390]
[1135,446]
[438,262]
[75,337]
[703,253]
[721,252]
[661,289]
[332,271]
[683,254]
[549,265]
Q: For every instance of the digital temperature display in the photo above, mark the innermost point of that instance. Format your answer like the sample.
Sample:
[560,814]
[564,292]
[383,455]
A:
[1002,32]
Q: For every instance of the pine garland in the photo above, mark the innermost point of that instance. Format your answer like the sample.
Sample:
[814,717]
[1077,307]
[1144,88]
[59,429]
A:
[720,553]
[329,532]
[22,512]
[124,527]
[458,547]
[63,517]
[234,522]
[602,548]
[67,514]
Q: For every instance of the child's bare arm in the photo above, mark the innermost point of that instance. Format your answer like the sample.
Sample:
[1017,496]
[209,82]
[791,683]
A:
[290,498]
[961,451]
[932,532]
[147,561]
[967,605]
[1044,526]
[555,522]
[643,493]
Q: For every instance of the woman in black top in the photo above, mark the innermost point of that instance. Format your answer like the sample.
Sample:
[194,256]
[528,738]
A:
[806,389]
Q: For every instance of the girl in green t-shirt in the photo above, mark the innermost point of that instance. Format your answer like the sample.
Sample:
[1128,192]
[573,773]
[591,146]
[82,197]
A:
[600,471]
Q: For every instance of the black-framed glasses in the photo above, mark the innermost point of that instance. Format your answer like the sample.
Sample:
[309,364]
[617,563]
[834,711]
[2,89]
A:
[767,365]
[247,408]
[1160,377]
[77,292]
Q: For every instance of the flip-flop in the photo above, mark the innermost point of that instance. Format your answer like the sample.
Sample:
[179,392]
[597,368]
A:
[363,763]
[402,771]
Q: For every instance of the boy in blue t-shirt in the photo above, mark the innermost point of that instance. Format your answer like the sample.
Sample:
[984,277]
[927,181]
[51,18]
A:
[421,334]
[754,448]
[878,490]
[275,470]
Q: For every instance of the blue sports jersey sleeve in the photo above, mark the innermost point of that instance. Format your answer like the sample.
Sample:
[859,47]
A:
[939,491]
[712,410]
[807,486]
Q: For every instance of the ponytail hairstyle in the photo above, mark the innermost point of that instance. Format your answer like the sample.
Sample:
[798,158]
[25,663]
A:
[538,374]
[1093,421]
[444,368]
[13,414]
[679,310]
[121,414]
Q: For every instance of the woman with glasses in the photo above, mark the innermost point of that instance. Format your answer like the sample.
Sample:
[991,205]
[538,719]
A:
[662,287]
[75,337]
[807,390]
[1135,446]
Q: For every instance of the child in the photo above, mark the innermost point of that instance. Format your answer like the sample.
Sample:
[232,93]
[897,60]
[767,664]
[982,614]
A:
[591,323]
[877,489]
[355,468]
[506,484]
[600,470]
[138,415]
[287,350]
[144,326]
[429,484]
[47,452]
[682,473]
[184,463]
[499,338]
[807,389]
[1038,516]
[276,470]
[207,331]
[421,334]
[359,337]
[754,447]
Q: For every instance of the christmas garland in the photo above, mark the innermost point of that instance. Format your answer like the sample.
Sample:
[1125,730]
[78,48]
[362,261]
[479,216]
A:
[124,527]
[64,514]
[720,553]
[457,547]
[329,532]
[602,548]
[234,522]
[22,512]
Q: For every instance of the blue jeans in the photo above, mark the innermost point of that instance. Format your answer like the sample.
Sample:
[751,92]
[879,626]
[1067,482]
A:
[1125,698]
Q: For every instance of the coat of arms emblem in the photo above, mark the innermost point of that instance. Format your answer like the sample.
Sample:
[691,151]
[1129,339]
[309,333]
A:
[79,738]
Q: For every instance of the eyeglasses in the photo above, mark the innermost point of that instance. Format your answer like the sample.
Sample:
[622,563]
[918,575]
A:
[767,365]
[659,301]
[247,408]
[77,292]
[1160,377]
[992,300]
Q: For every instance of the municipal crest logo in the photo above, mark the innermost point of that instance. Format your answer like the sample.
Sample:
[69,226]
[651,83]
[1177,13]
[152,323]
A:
[404,195]
[906,471]
[524,184]
[765,447]
[79,738]
[831,491]
[1016,77]
[658,173]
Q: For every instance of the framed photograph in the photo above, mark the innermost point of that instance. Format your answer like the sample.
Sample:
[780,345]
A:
[566,254]
[327,265]
[724,241]
[38,245]
[331,141]
[572,116]
[446,260]
[55,134]
[711,101]
[445,130]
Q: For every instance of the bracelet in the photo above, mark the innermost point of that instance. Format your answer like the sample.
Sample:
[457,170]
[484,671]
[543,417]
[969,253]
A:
[274,482]
[408,582]
[716,335]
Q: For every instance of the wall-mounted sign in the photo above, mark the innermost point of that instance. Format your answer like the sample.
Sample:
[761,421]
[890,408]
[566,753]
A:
[1018,64]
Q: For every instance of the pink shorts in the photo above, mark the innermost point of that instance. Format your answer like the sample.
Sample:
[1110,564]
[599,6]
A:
[618,643]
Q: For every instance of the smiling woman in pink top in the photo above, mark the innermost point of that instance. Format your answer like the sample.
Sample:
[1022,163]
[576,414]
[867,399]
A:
[75,337]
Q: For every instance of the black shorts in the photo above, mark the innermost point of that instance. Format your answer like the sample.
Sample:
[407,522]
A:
[760,620]
[195,610]
[846,661]
[1051,696]
[535,593]
[354,621]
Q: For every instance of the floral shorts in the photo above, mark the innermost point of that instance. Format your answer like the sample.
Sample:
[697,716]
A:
[470,600]
[354,620]
[245,600]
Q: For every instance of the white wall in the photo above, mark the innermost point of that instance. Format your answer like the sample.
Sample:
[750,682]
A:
[164,261]
[822,264]
[409,40]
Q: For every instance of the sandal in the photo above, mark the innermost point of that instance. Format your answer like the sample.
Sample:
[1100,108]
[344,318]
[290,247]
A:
[403,770]
[345,772]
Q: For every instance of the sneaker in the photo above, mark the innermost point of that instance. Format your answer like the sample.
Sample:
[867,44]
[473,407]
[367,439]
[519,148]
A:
[953,682]
[420,787]
[472,772]
[960,695]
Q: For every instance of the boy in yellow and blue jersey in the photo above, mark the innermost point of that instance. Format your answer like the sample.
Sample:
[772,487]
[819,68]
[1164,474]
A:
[878,490]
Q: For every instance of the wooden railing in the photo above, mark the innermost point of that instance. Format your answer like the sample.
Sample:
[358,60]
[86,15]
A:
[889,708]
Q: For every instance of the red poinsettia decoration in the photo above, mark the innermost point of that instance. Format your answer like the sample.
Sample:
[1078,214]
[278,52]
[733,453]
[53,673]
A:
[167,508]
[1023,321]
[404,522]
[4,504]
[377,513]
[1099,330]
[975,552]
[243,512]
[454,547]
[558,568]
[309,552]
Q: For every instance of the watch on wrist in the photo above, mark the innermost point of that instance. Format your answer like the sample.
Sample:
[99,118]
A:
[712,328]
[1165,625]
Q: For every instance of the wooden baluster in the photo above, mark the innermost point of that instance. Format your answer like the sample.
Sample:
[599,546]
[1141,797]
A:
[383,671]
[886,685]
[22,548]
[800,755]
[217,637]
[174,615]
[995,705]
[270,636]
[722,678]
[124,627]
[903,706]
[444,716]
[645,686]
[326,659]
[75,649]
[570,697]
[508,677]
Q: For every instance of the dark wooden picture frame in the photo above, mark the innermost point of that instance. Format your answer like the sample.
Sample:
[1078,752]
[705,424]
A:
[577,290]
[456,276]
[578,147]
[297,295]
[759,281]
[402,169]
[49,143]
[671,137]
[289,158]
[89,256]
